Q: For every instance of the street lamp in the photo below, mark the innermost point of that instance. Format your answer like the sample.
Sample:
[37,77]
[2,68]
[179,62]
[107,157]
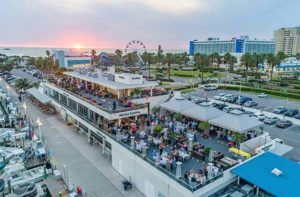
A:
[7,87]
[39,124]
[25,107]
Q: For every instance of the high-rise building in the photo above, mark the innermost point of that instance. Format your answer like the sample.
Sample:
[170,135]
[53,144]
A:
[236,46]
[288,40]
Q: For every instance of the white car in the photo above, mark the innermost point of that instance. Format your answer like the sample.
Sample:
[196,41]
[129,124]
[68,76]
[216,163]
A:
[217,97]
[259,116]
[262,95]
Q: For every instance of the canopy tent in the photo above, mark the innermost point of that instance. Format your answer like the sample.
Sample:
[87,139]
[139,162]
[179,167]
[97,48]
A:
[262,171]
[203,113]
[240,123]
[178,105]
[38,95]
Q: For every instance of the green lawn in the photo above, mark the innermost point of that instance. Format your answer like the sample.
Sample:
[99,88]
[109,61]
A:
[195,74]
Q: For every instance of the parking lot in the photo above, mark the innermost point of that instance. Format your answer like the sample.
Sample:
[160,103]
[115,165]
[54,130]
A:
[22,74]
[290,135]
[266,104]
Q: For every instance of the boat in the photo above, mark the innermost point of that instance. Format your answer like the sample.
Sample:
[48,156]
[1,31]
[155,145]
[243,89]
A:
[25,190]
[6,49]
[34,175]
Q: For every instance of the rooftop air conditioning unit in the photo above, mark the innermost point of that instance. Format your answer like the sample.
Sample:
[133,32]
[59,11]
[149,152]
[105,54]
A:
[90,74]
[277,172]
[95,75]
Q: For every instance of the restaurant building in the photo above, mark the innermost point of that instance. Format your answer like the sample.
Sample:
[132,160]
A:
[98,102]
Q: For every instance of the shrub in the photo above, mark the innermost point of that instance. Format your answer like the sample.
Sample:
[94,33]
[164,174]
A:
[157,128]
[206,150]
[204,126]
[177,116]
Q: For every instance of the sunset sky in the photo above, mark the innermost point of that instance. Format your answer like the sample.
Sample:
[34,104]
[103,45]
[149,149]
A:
[112,23]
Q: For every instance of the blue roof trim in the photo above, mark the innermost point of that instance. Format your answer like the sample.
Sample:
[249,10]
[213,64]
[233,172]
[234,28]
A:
[258,172]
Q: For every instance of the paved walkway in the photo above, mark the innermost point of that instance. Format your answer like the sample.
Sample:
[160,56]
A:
[86,164]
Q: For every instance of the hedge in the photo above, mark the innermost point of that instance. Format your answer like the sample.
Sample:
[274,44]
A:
[258,90]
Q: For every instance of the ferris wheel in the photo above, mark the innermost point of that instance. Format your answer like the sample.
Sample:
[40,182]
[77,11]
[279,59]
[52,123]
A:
[136,47]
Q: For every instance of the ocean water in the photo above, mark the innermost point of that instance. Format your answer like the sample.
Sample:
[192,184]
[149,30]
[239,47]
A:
[41,52]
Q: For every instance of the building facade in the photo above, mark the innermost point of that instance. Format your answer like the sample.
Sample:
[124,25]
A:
[234,46]
[66,59]
[288,40]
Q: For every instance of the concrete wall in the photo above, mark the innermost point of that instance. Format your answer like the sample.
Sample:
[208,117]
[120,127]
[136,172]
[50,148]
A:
[144,176]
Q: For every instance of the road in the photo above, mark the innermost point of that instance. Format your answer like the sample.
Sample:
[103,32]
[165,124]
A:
[86,164]
[291,135]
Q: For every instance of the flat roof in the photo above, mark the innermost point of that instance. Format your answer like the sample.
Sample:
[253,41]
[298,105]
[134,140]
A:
[104,81]
[258,172]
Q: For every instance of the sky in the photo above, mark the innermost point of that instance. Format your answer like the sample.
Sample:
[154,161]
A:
[113,23]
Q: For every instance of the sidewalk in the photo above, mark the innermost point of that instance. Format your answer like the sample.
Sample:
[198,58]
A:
[86,164]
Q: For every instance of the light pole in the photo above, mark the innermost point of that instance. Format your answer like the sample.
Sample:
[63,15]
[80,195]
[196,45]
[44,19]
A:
[7,87]
[39,124]
[25,107]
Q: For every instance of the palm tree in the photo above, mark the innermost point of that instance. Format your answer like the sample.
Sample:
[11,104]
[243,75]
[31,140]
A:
[93,53]
[202,61]
[159,54]
[21,83]
[148,59]
[227,58]
[169,59]
[232,61]
[272,61]
[298,56]
[48,53]
[281,56]
[246,62]
[119,55]
[238,138]
[184,57]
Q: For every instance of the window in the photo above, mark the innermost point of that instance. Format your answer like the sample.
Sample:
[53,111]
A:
[55,95]
[84,128]
[63,99]
[72,104]
[83,110]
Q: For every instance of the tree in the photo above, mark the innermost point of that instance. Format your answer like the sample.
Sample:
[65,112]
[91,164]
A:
[119,55]
[93,60]
[169,59]
[31,61]
[48,53]
[201,61]
[272,61]
[298,56]
[238,138]
[21,83]
[227,58]
[204,126]
[159,54]
[148,59]
[232,61]
[281,56]
[246,62]
[177,116]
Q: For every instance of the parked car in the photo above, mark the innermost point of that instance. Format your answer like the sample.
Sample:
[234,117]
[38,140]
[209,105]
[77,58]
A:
[232,99]
[291,112]
[217,97]
[220,106]
[250,104]
[297,116]
[284,123]
[250,113]
[242,99]
[271,120]
[280,110]
[259,116]
[262,95]
[227,109]
[210,87]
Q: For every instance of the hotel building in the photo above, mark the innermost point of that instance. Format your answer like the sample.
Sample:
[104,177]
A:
[288,40]
[235,46]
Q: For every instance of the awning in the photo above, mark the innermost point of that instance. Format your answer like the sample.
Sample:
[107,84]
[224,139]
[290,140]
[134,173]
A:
[38,95]
[177,105]
[258,171]
[240,123]
[203,113]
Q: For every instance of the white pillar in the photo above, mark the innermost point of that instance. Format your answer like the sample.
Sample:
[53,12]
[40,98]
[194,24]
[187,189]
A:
[151,92]
[178,169]
[104,145]
[132,141]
